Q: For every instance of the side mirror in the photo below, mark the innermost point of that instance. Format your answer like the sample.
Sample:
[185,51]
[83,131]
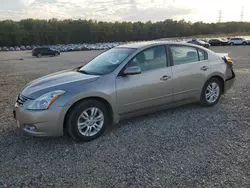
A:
[132,70]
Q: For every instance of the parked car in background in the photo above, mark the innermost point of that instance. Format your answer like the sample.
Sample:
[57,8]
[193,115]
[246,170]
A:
[33,47]
[83,101]
[199,42]
[17,48]
[45,51]
[5,49]
[238,41]
[28,48]
[11,49]
[218,42]
[22,48]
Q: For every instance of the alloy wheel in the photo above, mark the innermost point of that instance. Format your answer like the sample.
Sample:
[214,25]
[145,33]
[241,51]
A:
[90,121]
[212,92]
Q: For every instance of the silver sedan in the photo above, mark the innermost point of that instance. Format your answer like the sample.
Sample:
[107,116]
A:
[125,81]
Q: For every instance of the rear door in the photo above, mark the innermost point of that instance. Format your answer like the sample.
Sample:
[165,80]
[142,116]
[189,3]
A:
[190,70]
[46,51]
[238,41]
[151,88]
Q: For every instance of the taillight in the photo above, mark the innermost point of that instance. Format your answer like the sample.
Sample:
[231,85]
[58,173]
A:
[228,60]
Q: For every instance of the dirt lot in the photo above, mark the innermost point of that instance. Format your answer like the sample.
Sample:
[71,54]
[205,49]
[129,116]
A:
[189,146]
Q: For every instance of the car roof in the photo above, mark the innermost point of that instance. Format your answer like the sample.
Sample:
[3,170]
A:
[153,43]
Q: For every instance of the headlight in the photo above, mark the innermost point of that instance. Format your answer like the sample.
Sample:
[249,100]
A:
[44,101]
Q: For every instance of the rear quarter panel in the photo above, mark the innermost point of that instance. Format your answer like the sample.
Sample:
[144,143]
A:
[217,66]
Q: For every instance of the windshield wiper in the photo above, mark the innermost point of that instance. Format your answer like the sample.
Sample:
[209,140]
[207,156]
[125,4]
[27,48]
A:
[89,73]
[83,71]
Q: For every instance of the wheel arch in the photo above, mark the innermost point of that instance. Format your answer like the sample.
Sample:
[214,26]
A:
[220,78]
[100,99]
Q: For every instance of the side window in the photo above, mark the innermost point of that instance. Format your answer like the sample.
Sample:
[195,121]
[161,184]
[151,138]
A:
[150,59]
[202,54]
[184,54]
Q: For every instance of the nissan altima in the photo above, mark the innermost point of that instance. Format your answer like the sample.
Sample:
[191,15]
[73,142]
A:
[125,81]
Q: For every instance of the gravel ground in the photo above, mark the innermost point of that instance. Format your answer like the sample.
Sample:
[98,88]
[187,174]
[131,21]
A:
[188,146]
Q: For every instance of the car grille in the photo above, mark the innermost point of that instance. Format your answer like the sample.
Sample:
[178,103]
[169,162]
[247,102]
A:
[21,99]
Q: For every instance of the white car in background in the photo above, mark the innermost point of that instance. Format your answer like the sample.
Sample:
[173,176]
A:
[238,41]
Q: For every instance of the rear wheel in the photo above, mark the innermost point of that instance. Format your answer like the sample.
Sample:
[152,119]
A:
[244,43]
[231,44]
[211,92]
[56,54]
[87,120]
[39,55]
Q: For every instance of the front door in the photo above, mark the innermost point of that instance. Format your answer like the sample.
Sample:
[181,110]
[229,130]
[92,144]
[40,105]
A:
[190,70]
[151,88]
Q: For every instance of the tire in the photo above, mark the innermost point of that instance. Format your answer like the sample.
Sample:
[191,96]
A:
[39,55]
[205,100]
[231,44]
[56,54]
[244,43]
[90,130]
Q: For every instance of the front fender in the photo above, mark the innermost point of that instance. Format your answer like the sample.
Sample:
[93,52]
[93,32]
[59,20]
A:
[111,99]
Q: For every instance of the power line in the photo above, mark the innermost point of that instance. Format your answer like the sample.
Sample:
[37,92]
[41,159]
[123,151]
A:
[242,14]
[219,16]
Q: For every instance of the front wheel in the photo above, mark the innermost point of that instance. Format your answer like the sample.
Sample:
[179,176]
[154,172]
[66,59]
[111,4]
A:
[87,120]
[211,92]
[231,44]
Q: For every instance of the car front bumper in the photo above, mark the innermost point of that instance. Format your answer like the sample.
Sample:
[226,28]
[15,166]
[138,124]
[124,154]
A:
[40,122]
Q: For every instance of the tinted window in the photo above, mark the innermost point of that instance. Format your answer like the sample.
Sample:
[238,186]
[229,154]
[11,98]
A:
[151,59]
[183,54]
[107,61]
[202,54]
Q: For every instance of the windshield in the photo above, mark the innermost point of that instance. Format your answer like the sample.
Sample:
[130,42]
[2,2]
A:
[107,61]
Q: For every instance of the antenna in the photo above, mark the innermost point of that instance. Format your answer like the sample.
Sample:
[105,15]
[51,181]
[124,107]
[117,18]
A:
[220,16]
[242,14]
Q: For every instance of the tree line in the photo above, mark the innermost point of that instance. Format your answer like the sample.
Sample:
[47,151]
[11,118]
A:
[44,32]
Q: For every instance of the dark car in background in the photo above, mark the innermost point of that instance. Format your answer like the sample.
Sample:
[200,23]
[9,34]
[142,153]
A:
[218,42]
[199,42]
[45,51]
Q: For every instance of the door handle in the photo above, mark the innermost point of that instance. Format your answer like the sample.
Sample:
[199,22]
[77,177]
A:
[165,78]
[204,68]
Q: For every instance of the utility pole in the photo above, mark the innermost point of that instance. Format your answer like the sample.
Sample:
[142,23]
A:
[242,14]
[220,16]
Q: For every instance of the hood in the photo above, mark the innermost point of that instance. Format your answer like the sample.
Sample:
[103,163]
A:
[64,80]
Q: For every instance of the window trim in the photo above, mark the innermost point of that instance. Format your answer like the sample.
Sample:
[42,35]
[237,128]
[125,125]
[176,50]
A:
[168,64]
[204,54]
[182,45]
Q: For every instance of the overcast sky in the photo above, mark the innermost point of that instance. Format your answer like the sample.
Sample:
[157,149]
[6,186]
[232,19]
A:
[125,10]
